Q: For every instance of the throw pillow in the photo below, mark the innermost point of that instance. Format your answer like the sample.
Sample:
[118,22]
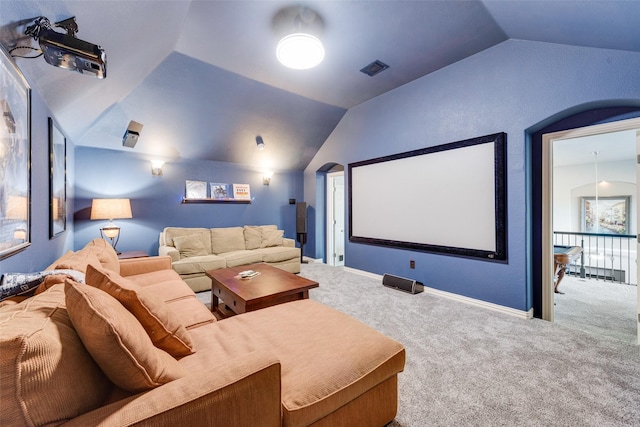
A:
[117,341]
[252,236]
[272,238]
[162,325]
[189,246]
[77,261]
[105,253]
[13,284]
[47,374]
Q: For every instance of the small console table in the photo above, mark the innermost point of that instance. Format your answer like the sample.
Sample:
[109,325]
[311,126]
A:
[132,254]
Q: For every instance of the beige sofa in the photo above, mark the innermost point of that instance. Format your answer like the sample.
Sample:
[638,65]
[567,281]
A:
[194,251]
[134,346]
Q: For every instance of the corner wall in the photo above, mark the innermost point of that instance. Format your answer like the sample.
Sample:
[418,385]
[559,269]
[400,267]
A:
[507,88]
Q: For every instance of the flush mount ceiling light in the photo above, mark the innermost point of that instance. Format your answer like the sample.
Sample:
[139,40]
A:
[300,51]
[299,47]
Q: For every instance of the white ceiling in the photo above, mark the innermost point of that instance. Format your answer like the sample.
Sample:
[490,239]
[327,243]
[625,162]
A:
[611,147]
[202,77]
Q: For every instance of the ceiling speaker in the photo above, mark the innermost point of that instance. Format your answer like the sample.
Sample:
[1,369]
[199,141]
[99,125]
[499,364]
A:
[132,134]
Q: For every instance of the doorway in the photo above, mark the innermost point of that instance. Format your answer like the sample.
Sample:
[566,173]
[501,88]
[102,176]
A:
[335,218]
[549,144]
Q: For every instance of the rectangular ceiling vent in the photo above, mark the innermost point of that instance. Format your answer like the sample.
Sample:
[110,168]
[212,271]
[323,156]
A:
[374,68]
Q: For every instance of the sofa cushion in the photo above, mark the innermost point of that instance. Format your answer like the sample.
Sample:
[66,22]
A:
[61,259]
[278,254]
[105,253]
[237,258]
[117,341]
[190,245]
[170,233]
[199,264]
[252,236]
[271,238]
[227,239]
[76,261]
[315,382]
[47,375]
[162,325]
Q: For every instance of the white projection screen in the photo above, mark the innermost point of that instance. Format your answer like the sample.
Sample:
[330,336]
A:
[448,199]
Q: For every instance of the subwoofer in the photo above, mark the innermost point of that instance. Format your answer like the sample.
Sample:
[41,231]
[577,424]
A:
[403,284]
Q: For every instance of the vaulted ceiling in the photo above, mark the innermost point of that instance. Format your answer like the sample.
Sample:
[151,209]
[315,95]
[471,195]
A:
[203,79]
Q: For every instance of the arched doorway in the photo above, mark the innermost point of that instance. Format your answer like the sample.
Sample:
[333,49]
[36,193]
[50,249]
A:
[539,204]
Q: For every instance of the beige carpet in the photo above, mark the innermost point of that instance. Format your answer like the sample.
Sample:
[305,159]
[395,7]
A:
[468,366]
[598,307]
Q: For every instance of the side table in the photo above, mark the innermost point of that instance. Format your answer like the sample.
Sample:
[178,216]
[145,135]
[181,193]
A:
[132,254]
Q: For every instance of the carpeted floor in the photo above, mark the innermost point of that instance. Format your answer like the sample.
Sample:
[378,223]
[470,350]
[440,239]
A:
[597,307]
[469,366]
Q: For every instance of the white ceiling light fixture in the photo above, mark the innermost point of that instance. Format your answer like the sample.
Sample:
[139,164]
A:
[300,51]
[300,48]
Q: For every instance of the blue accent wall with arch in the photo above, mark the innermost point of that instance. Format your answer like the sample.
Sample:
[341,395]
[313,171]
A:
[510,88]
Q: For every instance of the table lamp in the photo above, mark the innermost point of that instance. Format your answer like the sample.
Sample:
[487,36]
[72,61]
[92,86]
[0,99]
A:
[111,209]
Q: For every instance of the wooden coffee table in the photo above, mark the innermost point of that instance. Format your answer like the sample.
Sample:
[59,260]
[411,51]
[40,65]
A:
[272,286]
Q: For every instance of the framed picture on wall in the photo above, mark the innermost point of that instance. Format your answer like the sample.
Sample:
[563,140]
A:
[15,158]
[221,191]
[606,215]
[57,180]
[195,189]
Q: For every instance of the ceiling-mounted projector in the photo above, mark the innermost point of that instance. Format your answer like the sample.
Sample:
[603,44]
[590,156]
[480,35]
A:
[67,51]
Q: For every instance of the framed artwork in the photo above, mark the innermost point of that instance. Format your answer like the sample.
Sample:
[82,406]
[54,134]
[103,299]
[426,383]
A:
[241,192]
[195,189]
[609,215]
[57,180]
[221,191]
[15,158]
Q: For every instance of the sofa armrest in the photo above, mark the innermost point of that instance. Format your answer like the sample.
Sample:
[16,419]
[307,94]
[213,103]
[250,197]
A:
[288,243]
[131,266]
[241,392]
[169,251]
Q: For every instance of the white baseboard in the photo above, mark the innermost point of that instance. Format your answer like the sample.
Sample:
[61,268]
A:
[444,294]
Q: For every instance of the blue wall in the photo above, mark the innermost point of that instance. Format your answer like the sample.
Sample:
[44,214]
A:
[156,200]
[43,250]
[512,87]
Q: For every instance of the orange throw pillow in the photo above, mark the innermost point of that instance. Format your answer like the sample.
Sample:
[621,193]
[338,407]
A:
[162,325]
[117,341]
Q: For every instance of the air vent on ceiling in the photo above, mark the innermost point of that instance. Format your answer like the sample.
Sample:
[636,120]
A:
[374,68]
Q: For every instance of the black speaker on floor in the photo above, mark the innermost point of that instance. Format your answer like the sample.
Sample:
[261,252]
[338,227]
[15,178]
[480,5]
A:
[402,284]
[301,217]
[301,227]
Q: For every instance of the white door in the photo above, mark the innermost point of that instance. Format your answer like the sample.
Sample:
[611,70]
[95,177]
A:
[335,218]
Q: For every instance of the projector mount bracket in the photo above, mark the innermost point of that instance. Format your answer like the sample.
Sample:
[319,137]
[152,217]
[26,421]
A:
[41,22]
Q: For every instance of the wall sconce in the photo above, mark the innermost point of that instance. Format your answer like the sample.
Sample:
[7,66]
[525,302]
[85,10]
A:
[260,142]
[111,209]
[266,178]
[156,167]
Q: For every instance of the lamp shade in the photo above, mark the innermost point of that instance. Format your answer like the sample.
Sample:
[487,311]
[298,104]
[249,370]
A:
[111,209]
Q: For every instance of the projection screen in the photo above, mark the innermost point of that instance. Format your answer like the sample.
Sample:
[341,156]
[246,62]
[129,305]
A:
[447,199]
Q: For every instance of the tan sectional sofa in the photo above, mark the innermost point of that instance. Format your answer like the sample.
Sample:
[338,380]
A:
[194,251]
[134,346]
